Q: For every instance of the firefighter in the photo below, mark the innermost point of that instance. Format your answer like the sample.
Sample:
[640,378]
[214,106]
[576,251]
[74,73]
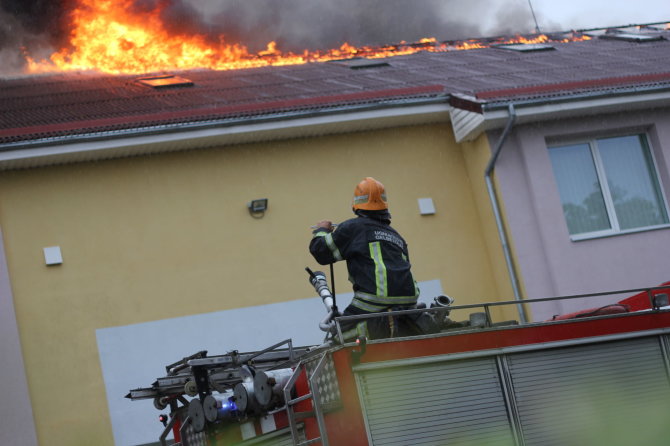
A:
[377,262]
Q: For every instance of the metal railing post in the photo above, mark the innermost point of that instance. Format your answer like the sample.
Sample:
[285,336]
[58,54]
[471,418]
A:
[166,431]
[182,431]
[289,402]
[316,400]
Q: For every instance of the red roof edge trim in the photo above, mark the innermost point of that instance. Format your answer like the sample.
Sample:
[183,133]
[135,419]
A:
[213,113]
[465,104]
[606,82]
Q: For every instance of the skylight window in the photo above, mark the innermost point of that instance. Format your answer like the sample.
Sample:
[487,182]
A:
[357,63]
[630,37]
[167,81]
[526,47]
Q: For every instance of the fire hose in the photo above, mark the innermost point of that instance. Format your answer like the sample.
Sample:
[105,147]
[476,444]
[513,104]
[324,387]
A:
[320,284]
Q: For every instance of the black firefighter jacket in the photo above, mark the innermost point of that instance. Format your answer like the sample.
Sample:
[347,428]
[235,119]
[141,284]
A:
[377,261]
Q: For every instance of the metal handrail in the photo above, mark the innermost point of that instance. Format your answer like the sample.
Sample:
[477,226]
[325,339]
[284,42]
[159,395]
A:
[487,305]
[272,347]
[182,431]
[316,398]
[236,358]
[289,402]
[167,430]
[314,394]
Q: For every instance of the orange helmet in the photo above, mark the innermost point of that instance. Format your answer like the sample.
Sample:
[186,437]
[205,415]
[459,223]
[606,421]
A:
[370,195]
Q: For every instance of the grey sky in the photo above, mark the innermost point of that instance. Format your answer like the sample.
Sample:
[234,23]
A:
[580,14]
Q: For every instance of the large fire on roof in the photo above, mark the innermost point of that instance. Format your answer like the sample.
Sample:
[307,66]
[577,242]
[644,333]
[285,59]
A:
[115,37]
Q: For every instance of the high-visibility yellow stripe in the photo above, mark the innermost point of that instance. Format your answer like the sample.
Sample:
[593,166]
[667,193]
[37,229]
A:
[349,334]
[380,269]
[361,329]
[331,244]
[366,306]
[386,300]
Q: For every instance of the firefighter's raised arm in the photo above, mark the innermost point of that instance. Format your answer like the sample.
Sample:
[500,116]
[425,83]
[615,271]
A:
[322,246]
[325,224]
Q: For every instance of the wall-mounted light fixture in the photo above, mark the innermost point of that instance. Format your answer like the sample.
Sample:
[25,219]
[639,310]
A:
[258,207]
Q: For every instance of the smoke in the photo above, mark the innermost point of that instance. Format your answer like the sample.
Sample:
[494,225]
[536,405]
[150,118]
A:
[40,27]
[321,24]
[35,26]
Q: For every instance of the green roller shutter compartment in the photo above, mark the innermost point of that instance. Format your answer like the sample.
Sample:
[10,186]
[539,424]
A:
[444,403]
[613,393]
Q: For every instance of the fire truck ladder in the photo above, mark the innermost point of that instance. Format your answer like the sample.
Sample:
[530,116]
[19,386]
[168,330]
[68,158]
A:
[314,394]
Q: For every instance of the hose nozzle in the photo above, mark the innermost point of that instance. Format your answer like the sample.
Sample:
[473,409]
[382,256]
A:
[442,301]
[320,284]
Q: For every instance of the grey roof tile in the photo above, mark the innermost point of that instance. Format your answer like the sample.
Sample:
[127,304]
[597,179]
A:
[72,103]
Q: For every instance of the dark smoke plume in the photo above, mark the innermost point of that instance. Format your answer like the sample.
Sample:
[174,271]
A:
[323,24]
[40,27]
[36,26]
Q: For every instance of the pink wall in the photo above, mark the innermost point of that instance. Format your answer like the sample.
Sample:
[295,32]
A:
[550,264]
[16,414]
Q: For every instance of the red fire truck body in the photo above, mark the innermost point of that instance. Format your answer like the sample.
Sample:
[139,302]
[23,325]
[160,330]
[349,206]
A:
[601,376]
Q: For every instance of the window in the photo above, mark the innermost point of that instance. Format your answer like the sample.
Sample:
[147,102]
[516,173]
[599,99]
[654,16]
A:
[608,186]
[526,47]
[358,63]
[167,81]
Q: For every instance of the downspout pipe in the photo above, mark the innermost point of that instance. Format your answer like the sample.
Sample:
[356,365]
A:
[496,211]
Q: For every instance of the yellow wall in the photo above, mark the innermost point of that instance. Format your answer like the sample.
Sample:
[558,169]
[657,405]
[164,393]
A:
[169,235]
[477,155]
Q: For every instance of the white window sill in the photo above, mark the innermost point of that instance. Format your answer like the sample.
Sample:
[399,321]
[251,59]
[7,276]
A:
[611,233]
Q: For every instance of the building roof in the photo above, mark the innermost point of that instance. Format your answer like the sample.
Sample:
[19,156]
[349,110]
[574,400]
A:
[49,109]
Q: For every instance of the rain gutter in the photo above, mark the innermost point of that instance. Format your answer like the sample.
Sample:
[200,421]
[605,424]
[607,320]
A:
[473,115]
[497,214]
[577,97]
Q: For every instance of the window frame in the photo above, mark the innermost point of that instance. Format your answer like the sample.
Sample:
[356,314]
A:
[615,229]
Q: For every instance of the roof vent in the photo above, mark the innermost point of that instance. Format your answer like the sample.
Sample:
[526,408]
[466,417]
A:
[166,81]
[631,37]
[358,63]
[525,47]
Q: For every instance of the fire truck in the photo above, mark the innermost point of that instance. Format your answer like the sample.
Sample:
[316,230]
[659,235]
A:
[595,377]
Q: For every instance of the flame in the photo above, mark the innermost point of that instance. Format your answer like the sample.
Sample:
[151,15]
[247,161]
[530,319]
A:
[107,36]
